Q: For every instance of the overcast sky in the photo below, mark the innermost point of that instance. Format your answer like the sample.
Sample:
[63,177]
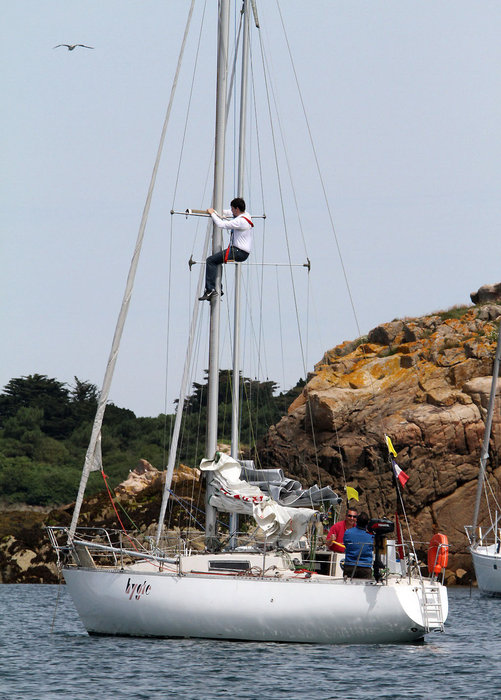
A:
[404,105]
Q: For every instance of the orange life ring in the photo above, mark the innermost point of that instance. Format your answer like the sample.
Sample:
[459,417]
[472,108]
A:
[438,553]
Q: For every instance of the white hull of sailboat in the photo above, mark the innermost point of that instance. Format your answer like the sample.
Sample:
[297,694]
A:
[317,610]
[487,565]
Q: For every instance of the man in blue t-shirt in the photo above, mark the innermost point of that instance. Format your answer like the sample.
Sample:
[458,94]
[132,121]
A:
[359,549]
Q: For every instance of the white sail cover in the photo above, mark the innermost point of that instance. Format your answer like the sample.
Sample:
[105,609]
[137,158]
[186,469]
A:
[234,495]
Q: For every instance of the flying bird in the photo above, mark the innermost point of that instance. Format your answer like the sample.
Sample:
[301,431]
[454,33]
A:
[70,47]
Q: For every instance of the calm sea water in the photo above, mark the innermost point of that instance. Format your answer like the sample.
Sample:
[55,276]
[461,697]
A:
[43,656]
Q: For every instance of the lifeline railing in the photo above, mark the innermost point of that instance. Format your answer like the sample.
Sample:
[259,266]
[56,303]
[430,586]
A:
[98,542]
[484,539]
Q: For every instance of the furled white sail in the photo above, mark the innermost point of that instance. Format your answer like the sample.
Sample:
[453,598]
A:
[234,495]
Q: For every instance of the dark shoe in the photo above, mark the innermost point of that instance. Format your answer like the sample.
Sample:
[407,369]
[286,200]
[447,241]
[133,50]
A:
[208,295]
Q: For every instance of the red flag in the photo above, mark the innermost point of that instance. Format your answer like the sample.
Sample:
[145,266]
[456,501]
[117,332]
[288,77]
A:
[400,475]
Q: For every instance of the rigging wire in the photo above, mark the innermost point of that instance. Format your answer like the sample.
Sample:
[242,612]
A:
[259,272]
[269,89]
[280,326]
[227,340]
[319,172]
[259,336]
[195,363]
[105,478]
[188,365]
[94,445]
[498,506]
[169,275]
[258,139]
[188,108]
[333,229]
[184,448]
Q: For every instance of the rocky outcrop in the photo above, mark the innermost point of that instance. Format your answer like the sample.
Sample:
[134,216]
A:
[425,382]
[25,551]
[487,293]
[146,477]
[26,555]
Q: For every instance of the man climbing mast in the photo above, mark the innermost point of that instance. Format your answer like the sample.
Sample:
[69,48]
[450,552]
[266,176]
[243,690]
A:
[239,247]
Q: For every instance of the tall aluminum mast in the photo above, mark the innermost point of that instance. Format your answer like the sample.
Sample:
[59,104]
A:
[219,152]
[235,405]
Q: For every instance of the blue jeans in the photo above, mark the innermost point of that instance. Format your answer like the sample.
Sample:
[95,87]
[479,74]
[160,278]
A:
[213,261]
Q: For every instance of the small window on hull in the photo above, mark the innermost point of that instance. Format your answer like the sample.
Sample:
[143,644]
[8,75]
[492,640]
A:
[229,565]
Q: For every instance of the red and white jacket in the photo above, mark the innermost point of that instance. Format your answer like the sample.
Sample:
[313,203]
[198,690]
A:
[241,226]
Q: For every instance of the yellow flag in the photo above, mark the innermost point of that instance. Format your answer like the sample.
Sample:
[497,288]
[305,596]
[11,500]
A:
[390,446]
[351,493]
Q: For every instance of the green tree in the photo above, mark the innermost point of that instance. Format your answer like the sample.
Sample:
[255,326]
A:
[84,397]
[25,427]
[260,408]
[38,391]
[45,429]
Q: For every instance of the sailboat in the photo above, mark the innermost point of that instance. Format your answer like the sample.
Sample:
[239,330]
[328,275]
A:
[485,543]
[266,590]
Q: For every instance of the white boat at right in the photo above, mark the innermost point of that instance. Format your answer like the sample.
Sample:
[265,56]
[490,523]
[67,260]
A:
[485,540]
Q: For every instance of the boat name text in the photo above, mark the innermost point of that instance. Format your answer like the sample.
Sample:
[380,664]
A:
[136,590]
